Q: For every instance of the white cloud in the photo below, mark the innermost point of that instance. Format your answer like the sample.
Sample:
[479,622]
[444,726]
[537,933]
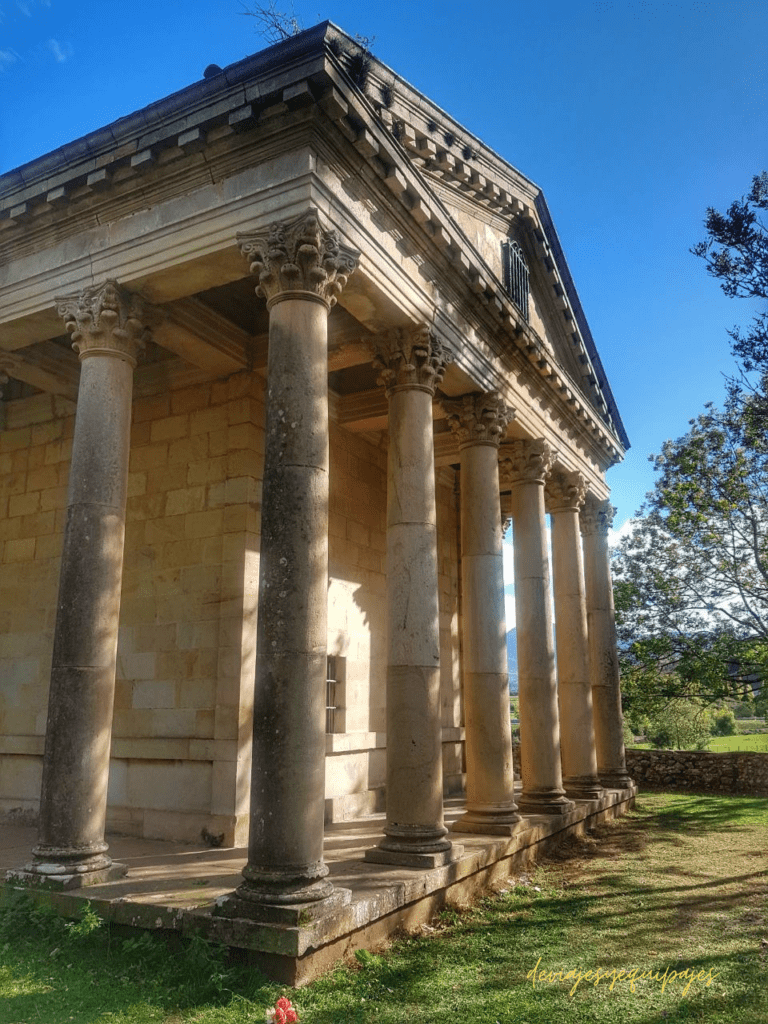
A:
[8,57]
[60,51]
[509,610]
[508,552]
[615,536]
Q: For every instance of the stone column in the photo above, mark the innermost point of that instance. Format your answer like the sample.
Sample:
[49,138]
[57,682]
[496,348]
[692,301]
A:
[524,467]
[108,330]
[565,496]
[480,421]
[301,268]
[412,363]
[596,519]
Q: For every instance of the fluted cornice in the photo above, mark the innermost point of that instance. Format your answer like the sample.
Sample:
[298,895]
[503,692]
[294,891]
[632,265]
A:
[597,517]
[299,258]
[106,320]
[478,418]
[525,462]
[410,358]
[565,491]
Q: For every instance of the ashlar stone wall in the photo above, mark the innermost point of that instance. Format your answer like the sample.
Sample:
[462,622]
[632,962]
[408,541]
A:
[186,653]
[35,449]
[181,728]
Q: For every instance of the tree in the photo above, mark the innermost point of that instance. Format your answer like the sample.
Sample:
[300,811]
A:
[682,725]
[724,723]
[692,576]
[736,253]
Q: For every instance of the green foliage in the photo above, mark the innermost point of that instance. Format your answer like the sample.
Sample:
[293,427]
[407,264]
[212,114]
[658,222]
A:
[692,579]
[683,725]
[724,723]
[629,736]
[23,915]
[736,254]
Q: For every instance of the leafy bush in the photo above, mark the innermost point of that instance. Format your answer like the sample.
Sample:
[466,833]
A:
[724,723]
[681,725]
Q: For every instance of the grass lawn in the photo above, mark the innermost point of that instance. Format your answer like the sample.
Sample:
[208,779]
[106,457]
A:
[678,885]
[758,742]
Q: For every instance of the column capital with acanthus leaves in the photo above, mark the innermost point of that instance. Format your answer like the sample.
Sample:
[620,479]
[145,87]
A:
[565,491]
[525,462]
[106,320]
[478,418]
[410,358]
[299,258]
[597,517]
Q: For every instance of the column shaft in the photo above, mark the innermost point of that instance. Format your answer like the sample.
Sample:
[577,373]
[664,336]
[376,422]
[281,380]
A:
[479,421]
[603,655]
[577,734]
[285,847]
[71,850]
[301,267]
[414,736]
[543,791]
[414,831]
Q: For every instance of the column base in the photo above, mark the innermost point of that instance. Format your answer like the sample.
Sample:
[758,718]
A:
[60,875]
[586,787]
[414,846]
[306,885]
[545,802]
[411,859]
[243,903]
[616,780]
[489,821]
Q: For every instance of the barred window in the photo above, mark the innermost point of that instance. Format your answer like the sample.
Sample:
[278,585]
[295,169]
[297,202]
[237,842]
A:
[330,695]
[515,275]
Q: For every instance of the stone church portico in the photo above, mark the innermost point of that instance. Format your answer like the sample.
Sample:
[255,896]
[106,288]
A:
[325,342]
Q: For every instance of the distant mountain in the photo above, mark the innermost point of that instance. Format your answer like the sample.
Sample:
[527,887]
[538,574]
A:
[512,659]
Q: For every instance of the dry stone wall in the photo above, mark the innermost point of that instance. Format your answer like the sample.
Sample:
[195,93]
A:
[703,771]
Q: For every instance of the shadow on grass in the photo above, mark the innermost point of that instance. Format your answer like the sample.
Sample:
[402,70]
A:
[596,907]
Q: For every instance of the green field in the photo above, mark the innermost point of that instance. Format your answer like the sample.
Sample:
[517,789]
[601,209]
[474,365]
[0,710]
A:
[758,743]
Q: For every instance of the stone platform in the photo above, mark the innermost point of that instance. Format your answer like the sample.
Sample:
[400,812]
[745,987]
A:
[174,887]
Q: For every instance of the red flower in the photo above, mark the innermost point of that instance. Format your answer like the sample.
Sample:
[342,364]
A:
[284,1012]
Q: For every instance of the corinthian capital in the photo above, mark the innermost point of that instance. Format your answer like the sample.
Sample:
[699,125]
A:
[525,462]
[105,320]
[565,492]
[597,517]
[299,256]
[478,418]
[410,358]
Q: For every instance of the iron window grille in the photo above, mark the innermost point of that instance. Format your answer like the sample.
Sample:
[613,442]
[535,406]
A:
[515,275]
[331,679]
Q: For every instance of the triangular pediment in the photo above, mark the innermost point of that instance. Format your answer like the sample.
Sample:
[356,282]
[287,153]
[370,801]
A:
[481,202]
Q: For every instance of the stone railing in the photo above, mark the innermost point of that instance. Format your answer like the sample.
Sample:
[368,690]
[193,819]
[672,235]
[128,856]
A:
[703,771]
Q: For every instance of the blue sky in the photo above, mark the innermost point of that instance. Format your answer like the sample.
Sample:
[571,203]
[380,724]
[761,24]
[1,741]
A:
[633,117]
